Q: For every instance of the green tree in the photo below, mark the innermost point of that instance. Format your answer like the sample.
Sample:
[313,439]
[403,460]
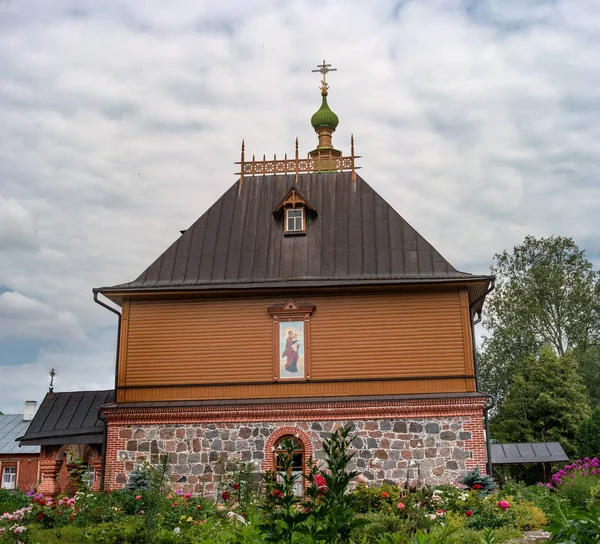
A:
[589,364]
[588,436]
[547,293]
[546,402]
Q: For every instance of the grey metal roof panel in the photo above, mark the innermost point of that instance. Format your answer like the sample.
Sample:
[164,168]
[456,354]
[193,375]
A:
[72,415]
[356,235]
[527,453]
[11,427]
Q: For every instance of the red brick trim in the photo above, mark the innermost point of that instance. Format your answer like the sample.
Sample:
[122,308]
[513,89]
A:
[325,411]
[268,461]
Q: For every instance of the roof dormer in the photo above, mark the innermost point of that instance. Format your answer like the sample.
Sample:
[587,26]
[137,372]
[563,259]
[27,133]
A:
[295,209]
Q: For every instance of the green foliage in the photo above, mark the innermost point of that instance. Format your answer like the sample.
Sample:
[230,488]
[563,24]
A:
[339,519]
[574,525]
[281,505]
[153,500]
[588,435]
[546,401]
[382,498]
[538,495]
[139,479]
[481,482]
[578,489]
[546,293]
[589,366]
[12,499]
[79,474]
[528,516]
[237,479]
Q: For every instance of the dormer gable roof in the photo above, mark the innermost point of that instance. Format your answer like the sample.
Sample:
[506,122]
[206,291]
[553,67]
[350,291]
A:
[294,198]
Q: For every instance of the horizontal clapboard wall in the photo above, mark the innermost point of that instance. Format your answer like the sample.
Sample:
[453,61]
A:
[389,343]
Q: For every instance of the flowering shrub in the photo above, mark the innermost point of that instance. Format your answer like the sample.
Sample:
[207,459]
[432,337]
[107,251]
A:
[582,467]
[575,482]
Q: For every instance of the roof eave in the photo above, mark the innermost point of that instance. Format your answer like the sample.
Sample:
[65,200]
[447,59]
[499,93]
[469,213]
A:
[276,284]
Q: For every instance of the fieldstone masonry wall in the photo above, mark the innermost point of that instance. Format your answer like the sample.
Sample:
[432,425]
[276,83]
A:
[432,450]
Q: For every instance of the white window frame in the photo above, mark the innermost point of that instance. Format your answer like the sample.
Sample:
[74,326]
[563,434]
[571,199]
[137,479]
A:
[9,477]
[295,219]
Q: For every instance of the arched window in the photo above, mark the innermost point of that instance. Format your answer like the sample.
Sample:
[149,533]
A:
[298,461]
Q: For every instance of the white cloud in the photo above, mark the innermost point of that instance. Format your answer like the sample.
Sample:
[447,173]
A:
[17,226]
[23,317]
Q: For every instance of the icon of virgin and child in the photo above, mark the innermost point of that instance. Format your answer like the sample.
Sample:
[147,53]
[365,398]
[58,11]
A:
[292,351]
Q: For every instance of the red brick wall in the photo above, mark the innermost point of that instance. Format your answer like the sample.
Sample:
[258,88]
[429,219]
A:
[27,469]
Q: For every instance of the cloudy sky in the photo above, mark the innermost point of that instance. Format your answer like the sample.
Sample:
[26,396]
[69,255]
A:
[120,122]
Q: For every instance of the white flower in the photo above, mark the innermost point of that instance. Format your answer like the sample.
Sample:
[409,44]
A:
[233,515]
[177,530]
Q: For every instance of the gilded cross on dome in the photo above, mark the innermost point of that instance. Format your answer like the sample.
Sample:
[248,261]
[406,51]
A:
[324,69]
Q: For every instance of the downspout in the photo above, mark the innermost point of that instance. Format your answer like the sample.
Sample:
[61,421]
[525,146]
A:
[100,414]
[111,309]
[487,408]
[102,417]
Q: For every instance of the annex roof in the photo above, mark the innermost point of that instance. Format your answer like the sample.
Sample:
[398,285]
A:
[528,453]
[355,238]
[68,418]
[11,427]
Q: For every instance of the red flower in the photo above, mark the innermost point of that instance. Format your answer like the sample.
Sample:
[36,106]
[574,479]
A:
[307,510]
[477,486]
[71,518]
[320,481]
[138,498]
[187,496]
[236,486]
[276,493]
[175,504]
[469,513]
[503,504]
[384,495]
[40,516]
[199,507]
[401,506]
[225,495]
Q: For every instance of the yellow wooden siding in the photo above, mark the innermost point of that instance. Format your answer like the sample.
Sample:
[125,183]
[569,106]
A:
[204,341]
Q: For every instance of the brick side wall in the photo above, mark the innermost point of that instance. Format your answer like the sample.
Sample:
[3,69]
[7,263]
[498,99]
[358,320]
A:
[27,469]
[434,449]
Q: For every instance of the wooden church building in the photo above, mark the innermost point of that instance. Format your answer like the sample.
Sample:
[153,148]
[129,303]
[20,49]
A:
[299,301]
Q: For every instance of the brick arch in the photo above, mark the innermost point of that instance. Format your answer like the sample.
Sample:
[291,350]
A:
[267,463]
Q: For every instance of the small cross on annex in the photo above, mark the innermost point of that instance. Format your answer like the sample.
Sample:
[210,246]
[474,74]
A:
[299,301]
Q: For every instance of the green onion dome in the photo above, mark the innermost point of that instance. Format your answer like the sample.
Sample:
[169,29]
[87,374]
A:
[324,117]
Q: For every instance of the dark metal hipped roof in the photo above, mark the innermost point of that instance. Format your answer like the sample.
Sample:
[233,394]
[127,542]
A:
[357,238]
[68,418]
[528,453]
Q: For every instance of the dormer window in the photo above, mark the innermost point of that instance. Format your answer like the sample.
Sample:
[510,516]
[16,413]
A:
[294,220]
[294,210]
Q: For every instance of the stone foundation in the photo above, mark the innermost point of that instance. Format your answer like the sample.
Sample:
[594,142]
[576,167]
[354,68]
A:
[396,450]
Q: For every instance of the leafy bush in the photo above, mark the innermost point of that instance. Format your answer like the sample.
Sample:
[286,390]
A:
[587,438]
[528,517]
[541,496]
[480,482]
[12,499]
[577,489]
[574,525]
